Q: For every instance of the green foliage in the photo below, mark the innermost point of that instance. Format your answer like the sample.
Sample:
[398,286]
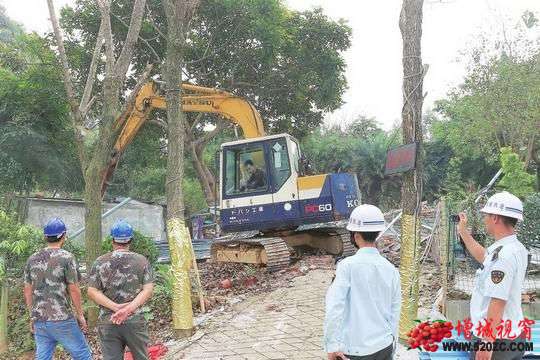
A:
[160,303]
[18,242]
[20,339]
[498,103]
[437,158]
[515,180]
[35,135]
[140,244]
[331,150]
[193,196]
[529,228]
[288,63]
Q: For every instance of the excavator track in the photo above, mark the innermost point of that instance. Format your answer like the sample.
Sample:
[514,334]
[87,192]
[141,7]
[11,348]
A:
[348,248]
[277,253]
[243,248]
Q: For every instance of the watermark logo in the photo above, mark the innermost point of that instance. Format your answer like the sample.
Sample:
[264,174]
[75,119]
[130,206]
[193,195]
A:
[427,335]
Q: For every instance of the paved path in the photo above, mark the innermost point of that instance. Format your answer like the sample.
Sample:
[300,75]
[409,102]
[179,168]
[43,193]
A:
[284,324]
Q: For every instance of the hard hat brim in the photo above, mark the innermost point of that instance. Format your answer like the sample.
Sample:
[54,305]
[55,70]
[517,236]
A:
[122,239]
[54,234]
[492,211]
[360,228]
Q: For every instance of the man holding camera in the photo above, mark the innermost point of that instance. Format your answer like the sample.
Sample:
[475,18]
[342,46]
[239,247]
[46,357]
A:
[496,297]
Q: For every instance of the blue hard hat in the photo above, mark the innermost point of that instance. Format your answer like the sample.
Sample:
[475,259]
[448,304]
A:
[122,232]
[55,227]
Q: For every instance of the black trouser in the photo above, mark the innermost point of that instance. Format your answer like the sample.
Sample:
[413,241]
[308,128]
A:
[384,354]
[115,338]
[503,355]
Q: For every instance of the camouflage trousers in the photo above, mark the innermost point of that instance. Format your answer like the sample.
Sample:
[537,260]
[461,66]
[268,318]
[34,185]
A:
[115,338]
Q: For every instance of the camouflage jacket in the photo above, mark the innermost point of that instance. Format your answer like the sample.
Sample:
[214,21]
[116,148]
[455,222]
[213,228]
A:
[49,271]
[120,275]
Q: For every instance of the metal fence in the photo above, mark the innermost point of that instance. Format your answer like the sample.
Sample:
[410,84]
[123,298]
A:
[461,266]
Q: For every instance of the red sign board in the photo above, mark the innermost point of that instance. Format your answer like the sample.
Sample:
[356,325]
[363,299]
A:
[400,159]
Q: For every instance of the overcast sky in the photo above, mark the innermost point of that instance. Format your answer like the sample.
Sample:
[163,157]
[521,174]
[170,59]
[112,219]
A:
[374,70]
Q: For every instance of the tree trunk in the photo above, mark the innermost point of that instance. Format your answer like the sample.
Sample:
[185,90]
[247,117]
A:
[410,23]
[92,224]
[4,297]
[178,13]
[204,174]
[94,162]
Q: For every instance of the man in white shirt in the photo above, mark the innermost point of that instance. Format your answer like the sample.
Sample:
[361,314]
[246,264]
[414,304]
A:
[363,302]
[496,297]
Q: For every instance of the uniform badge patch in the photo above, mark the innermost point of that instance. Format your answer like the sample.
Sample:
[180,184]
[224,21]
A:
[497,276]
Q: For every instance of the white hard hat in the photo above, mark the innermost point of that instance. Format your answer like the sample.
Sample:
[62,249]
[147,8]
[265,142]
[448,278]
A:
[366,218]
[504,204]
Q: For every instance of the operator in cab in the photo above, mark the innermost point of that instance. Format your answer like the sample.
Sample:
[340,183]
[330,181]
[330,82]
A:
[256,177]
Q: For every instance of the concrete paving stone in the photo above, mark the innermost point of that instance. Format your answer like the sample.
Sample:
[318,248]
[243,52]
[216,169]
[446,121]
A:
[281,336]
[245,345]
[320,353]
[295,347]
[294,354]
[218,354]
[208,340]
[262,347]
[219,350]
[245,350]
[197,348]
[310,357]
[275,355]
[219,337]
[283,347]
[274,332]
[255,357]
[294,340]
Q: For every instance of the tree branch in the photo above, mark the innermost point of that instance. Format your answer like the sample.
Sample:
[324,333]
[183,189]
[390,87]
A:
[154,52]
[215,50]
[88,106]
[105,9]
[195,122]
[90,80]
[162,124]
[122,64]
[76,116]
[220,126]
[153,23]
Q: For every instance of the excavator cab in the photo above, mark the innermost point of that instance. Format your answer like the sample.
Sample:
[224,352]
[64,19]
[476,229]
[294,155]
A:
[262,187]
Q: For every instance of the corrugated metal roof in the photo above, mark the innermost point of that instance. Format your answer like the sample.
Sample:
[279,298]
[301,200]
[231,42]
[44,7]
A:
[200,247]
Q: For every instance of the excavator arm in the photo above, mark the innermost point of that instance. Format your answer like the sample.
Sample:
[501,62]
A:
[194,99]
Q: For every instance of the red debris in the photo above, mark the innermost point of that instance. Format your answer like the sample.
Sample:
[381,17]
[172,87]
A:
[250,281]
[226,284]
[155,352]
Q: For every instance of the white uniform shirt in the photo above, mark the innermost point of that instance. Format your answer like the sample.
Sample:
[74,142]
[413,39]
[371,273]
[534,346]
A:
[362,305]
[502,278]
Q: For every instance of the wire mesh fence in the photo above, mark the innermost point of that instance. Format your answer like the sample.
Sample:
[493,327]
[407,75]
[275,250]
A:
[462,267]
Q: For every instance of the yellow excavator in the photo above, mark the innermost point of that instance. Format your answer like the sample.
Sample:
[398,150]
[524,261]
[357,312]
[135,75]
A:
[268,208]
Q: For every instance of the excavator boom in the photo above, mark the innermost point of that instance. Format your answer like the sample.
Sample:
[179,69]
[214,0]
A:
[195,99]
